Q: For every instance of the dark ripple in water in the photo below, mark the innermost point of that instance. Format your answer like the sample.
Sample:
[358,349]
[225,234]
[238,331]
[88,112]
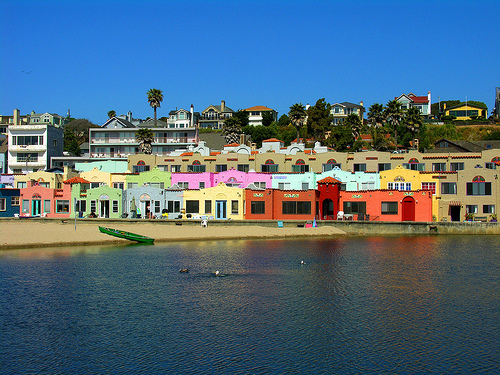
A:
[362,305]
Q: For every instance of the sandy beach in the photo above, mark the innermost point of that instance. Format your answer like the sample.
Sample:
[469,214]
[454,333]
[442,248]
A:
[16,234]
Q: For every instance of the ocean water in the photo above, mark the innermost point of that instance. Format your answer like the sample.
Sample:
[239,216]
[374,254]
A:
[405,305]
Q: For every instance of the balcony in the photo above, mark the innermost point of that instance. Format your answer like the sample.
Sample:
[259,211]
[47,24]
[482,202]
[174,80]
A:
[28,148]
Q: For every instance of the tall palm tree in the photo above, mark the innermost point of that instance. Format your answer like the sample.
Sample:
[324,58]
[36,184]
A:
[376,115]
[232,130]
[394,115]
[413,121]
[155,97]
[297,115]
[145,138]
[111,114]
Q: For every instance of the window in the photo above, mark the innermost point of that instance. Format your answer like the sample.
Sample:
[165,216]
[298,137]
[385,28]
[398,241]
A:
[258,207]
[3,204]
[196,168]
[44,184]
[183,185]
[429,186]
[115,206]
[243,167]
[359,167]
[490,165]
[81,206]
[158,185]
[270,168]
[17,171]
[488,209]
[94,185]
[157,207]
[234,207]
[201,185]
[330,164]
[471,209]
[389,208]
[370,185]
[296,208]
[478,188]
[175,168]
[26,157]
[448,188]
[260,184]
[399,186]
[93,205]
[305,186]
[343,186]
[118,185]
[221,167]
[131,185]
[54,142]
[14,201]
[26,206]
[439,167]
[284,186]
[192,207]
[300,166]
[140,168]
[173,206]
[414,166]
[208,207]
[456,167]
[354,207]
[62,206]
[46,206]
[384,167]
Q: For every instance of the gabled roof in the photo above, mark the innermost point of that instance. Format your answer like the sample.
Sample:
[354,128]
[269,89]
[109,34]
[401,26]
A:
[124,123]
[467,146]
[413,98]
[463,104]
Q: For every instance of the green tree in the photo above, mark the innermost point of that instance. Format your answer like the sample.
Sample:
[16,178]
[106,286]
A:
[78,129]
[341,138]
[283,121]
[155,97]
[71,144]
[394,115]
[319,120]
[145,138]
[376,116]
[260,133]
[297,115]
[111,114]
[267,118]
[242,118]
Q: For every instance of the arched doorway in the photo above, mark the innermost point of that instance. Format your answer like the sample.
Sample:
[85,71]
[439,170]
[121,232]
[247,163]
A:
[408,208]
[327,210]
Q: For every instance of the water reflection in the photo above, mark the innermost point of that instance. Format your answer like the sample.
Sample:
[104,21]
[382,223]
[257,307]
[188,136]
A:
[367,304]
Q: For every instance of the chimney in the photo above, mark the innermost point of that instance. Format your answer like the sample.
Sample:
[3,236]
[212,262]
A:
[191,111]
[129,116]
[222,105]
[17,117]
[361,104]
[307,106]
[69,114]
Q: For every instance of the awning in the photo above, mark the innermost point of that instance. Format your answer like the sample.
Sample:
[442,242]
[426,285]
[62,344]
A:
[455,203]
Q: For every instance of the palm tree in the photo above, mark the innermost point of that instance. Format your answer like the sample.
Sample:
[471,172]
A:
[297,115]
[155,97]
[111,114]
[145,138]
[394,116]
[376,115]
[232,130]
[413,121]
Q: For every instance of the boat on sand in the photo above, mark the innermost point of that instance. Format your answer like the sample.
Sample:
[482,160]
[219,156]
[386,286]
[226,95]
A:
[126,235]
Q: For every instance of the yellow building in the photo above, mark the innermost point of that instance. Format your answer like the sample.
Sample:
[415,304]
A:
[43,178]
[218,202]
[465,111]
[401,178]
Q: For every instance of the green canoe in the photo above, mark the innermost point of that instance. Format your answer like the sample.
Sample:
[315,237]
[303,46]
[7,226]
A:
[126,235]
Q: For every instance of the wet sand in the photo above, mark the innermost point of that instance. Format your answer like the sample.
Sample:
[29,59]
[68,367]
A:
[17,234]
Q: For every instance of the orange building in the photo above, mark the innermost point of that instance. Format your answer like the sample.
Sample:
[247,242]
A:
[275,204]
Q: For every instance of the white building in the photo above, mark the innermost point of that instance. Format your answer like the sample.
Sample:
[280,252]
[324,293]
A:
[32,145]
[255,114]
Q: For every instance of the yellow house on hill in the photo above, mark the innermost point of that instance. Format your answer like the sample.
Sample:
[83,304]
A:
[465,111]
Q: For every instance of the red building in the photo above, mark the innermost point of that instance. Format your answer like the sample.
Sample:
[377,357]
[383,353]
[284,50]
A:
[387,205]
[329,198]
[274,204]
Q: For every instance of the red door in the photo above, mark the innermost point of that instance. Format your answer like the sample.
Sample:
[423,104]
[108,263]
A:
[408,209]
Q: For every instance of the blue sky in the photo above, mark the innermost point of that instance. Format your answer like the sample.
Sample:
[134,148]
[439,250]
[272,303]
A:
[95,56]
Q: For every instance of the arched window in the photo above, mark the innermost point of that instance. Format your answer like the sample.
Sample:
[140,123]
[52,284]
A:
[196,162]
[141,162]
[300,162]
[478,179]
[413,161]
[331,161]
[269,161]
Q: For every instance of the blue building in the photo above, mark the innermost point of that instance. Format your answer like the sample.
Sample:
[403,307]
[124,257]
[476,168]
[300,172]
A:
[9,202]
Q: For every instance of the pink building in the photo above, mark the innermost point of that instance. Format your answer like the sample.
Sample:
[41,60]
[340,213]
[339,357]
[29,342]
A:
[232,177]
[41,201]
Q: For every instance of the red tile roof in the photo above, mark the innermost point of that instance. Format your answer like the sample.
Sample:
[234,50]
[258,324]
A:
[232,145]
[187,154]
[76,180]
[258,108]
[329,180]
[272,140]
